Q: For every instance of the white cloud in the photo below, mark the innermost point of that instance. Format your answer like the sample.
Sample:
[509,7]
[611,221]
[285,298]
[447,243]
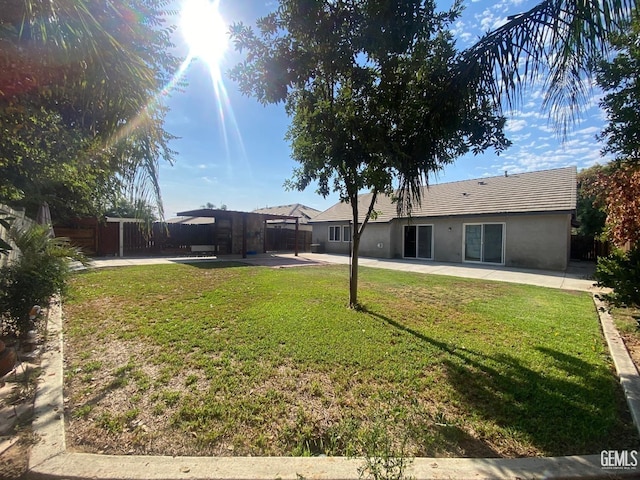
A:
[588,131]
[458,28]
[518,139]
[547,128]
[466,37]
[515,125]
[538,154]
[529,114]
[490,21]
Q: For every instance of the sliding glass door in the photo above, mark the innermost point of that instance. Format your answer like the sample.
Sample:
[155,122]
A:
[418,241]
[484,242]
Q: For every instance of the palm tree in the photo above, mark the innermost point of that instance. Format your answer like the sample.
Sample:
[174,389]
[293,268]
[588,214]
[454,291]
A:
[562,39]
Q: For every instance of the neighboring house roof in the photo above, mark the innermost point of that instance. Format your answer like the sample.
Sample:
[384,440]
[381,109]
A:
[192,220]
[542,191]
[295,210]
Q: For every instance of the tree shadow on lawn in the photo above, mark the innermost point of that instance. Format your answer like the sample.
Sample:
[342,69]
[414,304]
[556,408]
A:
[212,264]
[273,262]
[559,416]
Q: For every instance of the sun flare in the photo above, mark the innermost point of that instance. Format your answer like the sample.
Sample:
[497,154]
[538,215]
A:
[204,31]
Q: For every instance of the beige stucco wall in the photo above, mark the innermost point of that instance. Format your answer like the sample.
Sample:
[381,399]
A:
[540,241]
[320,235]
[376,241]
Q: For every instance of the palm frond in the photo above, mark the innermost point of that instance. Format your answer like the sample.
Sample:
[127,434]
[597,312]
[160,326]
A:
[557,43]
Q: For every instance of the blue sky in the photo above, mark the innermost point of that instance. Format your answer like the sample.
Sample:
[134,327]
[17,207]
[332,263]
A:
[232,149]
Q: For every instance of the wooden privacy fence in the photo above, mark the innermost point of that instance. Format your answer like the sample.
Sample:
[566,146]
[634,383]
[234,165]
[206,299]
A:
[284,240]
[588,248]
[104,239]
[93,237]
[164,238]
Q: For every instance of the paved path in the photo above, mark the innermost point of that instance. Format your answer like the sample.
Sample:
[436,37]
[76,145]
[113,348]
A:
[51,460]
[577,276]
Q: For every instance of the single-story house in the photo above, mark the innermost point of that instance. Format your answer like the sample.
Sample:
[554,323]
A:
[303,213]
[281,233]
[518,220]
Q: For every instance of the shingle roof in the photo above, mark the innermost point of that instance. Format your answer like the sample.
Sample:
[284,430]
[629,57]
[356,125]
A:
[295,210]
[542,191]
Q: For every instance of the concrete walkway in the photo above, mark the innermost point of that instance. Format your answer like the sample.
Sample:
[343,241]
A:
[50,459]
[577,277]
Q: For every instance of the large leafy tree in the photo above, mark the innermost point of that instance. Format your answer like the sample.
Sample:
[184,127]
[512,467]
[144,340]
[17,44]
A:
[589,210]
[617,189]
[617,185]
[375,96]
[77,112]
[617,192]
[619,79]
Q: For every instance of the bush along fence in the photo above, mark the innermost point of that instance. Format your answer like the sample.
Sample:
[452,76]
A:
[35,267]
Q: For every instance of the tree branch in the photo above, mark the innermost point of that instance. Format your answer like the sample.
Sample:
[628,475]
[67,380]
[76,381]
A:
[370,210]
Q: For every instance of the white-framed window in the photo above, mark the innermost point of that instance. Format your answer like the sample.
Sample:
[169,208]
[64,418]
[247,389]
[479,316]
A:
[340,233]
[346,233]
[418,241]
[334,233]
[484,242]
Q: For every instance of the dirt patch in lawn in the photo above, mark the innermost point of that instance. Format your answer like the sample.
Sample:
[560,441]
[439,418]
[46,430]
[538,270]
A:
[627,322]
[632,342]
[138,408]
[14,462]
[112,409]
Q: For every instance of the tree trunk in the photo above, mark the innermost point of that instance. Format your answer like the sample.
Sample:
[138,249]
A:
[353,274]
[356,234]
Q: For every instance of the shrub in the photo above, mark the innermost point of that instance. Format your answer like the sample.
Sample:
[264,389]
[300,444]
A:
[40,272]
[621,272]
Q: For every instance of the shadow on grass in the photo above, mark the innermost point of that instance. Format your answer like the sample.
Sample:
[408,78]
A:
[121,378]
[212,264]
[273,261]
[575,409]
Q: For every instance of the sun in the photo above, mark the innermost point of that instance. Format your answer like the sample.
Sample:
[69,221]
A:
[204,30]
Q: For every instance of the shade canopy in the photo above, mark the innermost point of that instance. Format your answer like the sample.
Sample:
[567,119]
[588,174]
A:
[221,214]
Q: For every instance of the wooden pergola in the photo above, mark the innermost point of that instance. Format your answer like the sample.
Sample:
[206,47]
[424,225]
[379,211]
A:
[245,217]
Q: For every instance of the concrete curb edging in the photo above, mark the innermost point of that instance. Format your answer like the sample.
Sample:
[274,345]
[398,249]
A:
[50,460]
[48,409]
[625,368]
[79,466]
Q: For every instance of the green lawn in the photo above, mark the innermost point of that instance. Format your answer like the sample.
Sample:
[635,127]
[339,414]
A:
[235,360]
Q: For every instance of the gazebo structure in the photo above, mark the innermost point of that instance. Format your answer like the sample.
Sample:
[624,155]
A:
[238,233]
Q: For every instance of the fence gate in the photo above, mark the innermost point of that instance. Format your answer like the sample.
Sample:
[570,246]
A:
[588,248]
